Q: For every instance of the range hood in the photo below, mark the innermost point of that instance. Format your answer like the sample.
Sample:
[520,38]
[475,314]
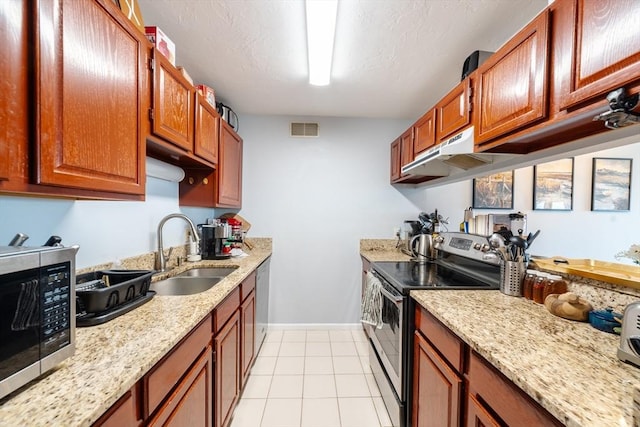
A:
[454,154]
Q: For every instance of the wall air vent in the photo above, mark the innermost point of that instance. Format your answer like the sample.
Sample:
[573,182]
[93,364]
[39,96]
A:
[304,129]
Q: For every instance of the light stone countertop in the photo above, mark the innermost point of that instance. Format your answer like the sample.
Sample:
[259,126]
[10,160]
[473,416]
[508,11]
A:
[568,367]
[110,358]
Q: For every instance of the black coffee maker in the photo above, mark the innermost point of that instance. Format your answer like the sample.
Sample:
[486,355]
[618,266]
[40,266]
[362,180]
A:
[213,238]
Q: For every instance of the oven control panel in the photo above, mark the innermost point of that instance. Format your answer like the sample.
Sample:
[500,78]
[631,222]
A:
[467,245]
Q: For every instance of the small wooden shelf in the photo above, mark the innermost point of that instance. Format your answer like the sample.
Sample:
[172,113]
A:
[610,272]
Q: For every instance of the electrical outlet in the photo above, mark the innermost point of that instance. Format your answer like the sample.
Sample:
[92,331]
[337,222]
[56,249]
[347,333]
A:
[396,232]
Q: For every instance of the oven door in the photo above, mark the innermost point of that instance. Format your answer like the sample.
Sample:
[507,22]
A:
[387,340]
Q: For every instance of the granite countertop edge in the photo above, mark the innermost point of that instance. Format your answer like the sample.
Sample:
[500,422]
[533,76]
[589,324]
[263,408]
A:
[110,358]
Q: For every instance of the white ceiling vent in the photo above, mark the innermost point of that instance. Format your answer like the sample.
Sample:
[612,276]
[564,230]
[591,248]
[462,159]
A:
[304,129]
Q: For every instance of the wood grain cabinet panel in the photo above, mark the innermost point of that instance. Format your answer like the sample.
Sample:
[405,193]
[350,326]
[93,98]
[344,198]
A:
[424,132]
[207,124]
[227,370]
[406,147]
[477,415]
[512,89]
[173,104]
[395,160]
[228,175]
[454,110]
[91,97]
[605,49]
[14,87]
[437,389]
[248,322]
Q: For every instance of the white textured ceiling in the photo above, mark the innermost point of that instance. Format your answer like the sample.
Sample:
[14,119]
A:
[392,58]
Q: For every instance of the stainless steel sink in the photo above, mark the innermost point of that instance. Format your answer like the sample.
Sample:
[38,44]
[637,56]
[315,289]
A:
[184,285]
[219,272]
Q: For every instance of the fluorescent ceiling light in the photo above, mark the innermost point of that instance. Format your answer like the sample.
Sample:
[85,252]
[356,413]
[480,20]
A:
[321,31]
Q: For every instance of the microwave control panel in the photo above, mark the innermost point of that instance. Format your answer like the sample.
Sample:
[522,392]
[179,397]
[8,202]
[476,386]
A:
[55,286]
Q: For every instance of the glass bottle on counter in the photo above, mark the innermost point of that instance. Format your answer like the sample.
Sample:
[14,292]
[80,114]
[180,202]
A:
[527,283]
[554,285]
[538,287]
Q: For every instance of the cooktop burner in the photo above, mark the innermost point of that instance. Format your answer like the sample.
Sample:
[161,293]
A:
[408,275]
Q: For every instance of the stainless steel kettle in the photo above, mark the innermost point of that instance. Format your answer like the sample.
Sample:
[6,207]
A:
[422,247]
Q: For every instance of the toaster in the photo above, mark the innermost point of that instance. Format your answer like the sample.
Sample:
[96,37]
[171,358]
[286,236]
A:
[629,350]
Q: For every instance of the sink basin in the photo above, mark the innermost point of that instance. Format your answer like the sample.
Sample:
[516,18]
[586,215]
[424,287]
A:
[184,285]
[219,272]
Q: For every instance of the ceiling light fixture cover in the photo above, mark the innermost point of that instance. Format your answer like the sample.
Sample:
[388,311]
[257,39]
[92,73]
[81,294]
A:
[321,30]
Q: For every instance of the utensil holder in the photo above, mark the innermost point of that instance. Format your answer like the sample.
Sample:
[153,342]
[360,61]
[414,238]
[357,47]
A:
[511,276]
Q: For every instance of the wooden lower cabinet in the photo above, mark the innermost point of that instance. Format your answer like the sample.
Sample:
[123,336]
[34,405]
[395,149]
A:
[437,389]
[248,344]
[227,371]
[190,405]
[124,412]
[477,415]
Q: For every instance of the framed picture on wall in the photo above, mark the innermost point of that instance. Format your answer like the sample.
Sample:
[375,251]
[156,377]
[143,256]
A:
[611,184]
[553,185]
[493,191]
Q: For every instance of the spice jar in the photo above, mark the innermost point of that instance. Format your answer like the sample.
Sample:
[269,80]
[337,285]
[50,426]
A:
[554,285]
[527,283]
[538,287]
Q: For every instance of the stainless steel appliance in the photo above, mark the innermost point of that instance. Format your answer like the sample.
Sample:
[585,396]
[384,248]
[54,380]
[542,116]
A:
[37,312]
[422,247]
[629,350]
[462,261]
[212,240]
[262,302]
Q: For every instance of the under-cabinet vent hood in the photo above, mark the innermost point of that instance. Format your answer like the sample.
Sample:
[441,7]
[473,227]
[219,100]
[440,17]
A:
[456,153]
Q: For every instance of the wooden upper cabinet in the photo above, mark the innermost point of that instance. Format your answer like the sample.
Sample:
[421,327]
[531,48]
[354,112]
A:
[406,147]
[395,160]
[91,98]
[228,175]
[14,86]
[454,110]
[207,122]
[512,89]
[604,48]
[173,103]
[424,132]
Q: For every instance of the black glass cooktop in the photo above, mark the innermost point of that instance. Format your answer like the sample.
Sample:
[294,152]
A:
[408,275]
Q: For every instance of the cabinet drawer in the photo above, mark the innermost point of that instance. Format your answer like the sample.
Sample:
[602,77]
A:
[167,373]
[123,412]
[447,343]
[508,401]
[247,286]
[225,309]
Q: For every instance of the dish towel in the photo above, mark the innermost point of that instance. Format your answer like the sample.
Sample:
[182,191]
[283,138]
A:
[371,306]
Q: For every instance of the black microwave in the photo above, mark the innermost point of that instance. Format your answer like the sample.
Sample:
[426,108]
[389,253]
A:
[37,312]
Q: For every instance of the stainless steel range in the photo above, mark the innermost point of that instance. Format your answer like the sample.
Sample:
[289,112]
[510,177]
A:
[462,261]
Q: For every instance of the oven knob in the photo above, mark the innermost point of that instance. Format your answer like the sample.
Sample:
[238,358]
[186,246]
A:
[439,239]
[485,247]
[477,246]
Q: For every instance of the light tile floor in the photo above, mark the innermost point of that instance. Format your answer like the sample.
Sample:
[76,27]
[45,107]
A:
[312,378]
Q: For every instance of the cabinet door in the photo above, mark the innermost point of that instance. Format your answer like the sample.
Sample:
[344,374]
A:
[173,102]
[14,124]
[228,175]
[191,402]
[122,413]
[205,143]
[477,416]
[437,389]
[395,160]
[604,48]
[248,322]
[454,110]
[91,98]
[406,147]
[424,132]
[512,83]
[227,375]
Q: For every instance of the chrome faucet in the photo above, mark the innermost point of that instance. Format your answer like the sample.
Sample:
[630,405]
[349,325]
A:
[161,264]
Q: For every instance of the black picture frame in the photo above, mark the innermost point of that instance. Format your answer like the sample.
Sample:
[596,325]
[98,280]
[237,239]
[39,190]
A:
[611,184]
[493,191]
[553,185]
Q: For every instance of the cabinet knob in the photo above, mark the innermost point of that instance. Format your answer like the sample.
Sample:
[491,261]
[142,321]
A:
[191,180]
[205,181]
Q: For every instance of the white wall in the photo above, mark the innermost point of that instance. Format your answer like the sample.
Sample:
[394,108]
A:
[580,233]
[105,230]
[317,197]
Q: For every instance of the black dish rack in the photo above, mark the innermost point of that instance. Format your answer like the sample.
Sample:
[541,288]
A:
[106,294]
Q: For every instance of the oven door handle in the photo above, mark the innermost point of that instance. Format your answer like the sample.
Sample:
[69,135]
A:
[389,295]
